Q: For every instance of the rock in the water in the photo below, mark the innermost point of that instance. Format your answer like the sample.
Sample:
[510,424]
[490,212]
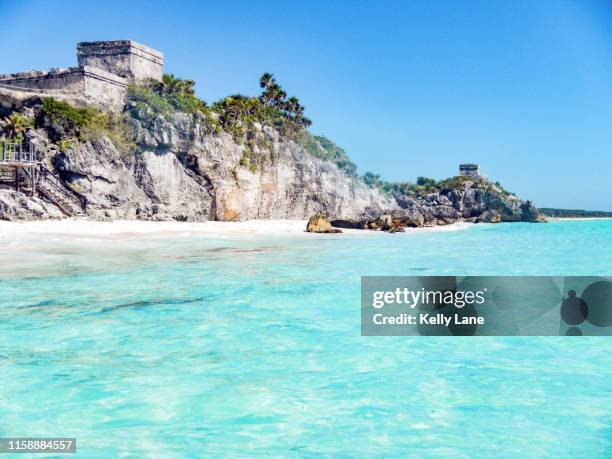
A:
[541,218]
[320,224]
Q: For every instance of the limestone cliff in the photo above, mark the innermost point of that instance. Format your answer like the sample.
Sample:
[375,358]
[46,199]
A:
[181,167]
[471,199]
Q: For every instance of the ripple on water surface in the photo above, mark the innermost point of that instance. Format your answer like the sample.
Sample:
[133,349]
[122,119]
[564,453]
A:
[253,346]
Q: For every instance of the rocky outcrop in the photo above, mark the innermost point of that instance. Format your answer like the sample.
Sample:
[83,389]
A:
[489,216]
[19,207]
[174,193]
[320,224]
[473,199]
[478,196]
[97,170]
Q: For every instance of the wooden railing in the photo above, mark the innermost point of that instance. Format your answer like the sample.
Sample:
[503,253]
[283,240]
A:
[16,152]
[25,161]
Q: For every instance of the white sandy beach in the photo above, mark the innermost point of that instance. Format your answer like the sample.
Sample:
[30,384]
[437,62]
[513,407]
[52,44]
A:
[138,228]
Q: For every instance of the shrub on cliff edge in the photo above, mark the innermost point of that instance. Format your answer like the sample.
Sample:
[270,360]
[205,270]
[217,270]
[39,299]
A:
[323,148]
[168,95]
[65,121]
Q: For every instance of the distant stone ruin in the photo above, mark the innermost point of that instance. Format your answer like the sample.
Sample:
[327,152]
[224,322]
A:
[105,68]
[469,170]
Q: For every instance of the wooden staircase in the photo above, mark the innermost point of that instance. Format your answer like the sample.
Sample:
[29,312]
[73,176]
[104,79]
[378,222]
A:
[52,187]
[23,170]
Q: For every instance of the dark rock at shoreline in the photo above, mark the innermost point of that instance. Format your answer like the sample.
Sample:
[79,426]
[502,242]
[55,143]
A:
[397,229]
[385,222]
[349,224]
[446,212]
[445,221]
[413,217]
[531,213]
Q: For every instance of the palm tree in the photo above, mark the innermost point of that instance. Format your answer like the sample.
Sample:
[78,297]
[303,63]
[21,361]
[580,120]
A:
[168,84]
[172,85]
[266,80]
[293,106]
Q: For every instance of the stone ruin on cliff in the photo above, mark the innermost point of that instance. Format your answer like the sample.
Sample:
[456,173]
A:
[105,68]
[469,170]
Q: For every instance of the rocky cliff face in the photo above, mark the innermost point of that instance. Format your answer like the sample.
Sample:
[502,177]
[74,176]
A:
[18,206]
[180,168]
[475,200]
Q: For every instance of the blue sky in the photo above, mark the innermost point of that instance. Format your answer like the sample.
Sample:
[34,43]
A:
[407,88]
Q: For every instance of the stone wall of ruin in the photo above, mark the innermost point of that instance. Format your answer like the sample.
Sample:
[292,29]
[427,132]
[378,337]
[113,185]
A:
[95,84]
[67,80]
[128,59]
[105,69]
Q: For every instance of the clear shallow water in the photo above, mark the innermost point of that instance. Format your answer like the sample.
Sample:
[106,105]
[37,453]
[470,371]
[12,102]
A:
[199,347]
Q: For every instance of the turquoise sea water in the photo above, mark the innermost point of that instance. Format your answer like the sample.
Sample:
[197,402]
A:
[203,347]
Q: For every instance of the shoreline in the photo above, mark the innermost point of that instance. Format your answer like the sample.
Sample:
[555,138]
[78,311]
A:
[140,228]
[217,229]
[554,219]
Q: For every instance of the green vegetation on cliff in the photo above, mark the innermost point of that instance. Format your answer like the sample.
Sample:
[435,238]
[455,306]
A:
[325,149]
[171,94]
[426,185]
[68,123]
[235,114]
[18,125]
[288,109]
[238,113]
